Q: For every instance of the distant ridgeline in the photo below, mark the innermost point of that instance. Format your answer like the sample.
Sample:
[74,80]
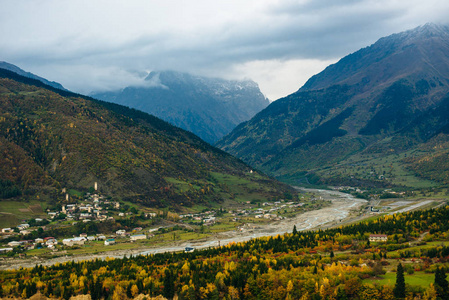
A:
[208,107]
[52,138]
[332,264]
[377,118]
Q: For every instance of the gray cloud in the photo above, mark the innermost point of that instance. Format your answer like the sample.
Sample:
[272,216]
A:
[101,45]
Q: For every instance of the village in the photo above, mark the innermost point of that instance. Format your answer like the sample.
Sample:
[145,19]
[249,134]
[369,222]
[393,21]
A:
[98,208]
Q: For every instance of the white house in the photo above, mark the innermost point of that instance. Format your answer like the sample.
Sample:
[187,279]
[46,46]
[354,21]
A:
[120,232]
[51,241]
[85,215]
[7,230]
[52,214]
[14,243]
[23,226]
[210,220]
[109,242]
[137,237]
[74,241]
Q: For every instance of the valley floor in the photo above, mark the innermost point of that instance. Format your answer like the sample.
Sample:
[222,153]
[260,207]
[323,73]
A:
[343,209]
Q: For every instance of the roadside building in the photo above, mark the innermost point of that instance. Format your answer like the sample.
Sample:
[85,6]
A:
[378,238]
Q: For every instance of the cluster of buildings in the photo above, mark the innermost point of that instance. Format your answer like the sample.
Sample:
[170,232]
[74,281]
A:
[210,217]
[22,228]
[95,207]
[270,212]
[207,218]
[49,242]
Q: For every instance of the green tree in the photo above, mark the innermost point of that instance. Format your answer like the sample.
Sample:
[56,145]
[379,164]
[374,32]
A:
[399,287]
[169,284]
[441,284]
[341,295]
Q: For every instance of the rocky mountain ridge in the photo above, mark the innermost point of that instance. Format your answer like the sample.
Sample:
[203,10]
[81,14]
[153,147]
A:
[385,98]
[208,107]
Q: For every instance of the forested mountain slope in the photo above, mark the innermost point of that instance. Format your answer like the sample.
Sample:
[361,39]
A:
[51,139]
[383,106]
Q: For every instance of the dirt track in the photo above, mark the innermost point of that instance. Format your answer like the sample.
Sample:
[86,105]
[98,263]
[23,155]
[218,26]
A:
[343,208]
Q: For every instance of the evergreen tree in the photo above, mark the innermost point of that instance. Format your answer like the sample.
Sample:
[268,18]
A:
[399,287]
[169,284]
[96,292]
[441,284]
[341,295]
[295,231]
[49,289]
[128,290]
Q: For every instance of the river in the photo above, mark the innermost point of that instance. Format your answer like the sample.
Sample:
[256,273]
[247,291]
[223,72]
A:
[344,207]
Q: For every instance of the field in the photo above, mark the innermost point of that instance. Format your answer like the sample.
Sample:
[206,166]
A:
[14,212]
[381,168]
[418,278]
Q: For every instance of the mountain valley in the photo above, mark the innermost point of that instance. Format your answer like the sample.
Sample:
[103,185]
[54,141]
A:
[103,201]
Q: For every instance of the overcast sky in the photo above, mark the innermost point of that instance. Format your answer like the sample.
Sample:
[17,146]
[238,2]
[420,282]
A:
[96,45]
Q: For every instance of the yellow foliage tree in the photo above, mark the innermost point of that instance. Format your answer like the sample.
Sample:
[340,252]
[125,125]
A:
[233,293]
[119,293]
[134,290]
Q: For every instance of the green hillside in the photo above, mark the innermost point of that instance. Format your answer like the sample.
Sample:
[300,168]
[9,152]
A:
[52,139]
[378,117]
